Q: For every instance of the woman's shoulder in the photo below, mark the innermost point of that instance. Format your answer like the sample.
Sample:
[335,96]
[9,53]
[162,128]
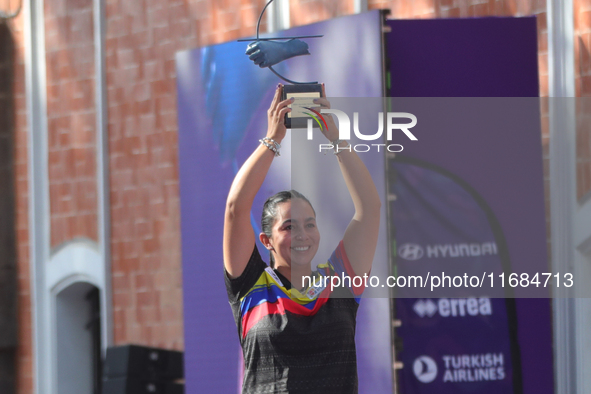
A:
[237,287]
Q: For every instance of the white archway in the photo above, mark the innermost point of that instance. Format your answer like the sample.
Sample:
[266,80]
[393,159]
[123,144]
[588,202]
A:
[74,340]
[73,270]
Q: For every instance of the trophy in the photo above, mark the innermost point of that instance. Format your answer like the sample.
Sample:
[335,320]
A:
[267,52]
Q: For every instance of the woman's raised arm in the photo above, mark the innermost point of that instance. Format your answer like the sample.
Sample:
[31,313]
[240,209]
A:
[361,235]
[239,237]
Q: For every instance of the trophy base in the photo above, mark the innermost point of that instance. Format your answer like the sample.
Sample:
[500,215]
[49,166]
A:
[304,95]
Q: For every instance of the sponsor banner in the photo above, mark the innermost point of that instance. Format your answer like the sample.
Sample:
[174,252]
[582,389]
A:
[445,307]
[471,197]
[444,225]
[462,368]
[453,346]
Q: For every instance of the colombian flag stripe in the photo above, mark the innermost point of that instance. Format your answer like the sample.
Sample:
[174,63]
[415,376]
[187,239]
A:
[339,254]
[270,293]
[282,305]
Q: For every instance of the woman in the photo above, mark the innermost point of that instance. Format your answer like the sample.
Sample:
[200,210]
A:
[296,336]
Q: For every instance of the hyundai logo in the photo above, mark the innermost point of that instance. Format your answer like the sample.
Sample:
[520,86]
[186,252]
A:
[410,251]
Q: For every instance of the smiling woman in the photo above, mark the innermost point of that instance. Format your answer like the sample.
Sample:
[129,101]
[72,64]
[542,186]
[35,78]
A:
[286,224]
[296,339]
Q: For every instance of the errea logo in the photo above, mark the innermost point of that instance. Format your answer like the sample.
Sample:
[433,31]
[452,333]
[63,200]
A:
[453,307]
[410,251]
[425,308]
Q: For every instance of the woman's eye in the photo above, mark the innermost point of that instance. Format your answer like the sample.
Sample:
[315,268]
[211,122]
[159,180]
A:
[311,225]
[287,227]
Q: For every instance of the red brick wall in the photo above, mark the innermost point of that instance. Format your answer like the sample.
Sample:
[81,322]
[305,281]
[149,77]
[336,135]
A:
[141,40]
[303,12]
[582,42]
[24,361]
[71,119]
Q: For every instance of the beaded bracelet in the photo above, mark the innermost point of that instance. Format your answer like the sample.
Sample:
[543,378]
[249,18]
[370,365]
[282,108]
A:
[274,148]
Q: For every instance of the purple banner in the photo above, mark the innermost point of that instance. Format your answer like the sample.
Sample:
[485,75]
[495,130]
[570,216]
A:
[453,345]
[480,57]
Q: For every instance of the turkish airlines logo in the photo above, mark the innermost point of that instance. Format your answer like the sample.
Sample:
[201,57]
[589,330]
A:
[425,369]
[411,251]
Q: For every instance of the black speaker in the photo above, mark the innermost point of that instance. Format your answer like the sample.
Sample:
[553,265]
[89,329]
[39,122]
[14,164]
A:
[141,386]
[134,361]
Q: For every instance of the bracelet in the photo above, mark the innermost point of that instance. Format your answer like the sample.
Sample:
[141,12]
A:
[338,149]
[274,148]
[277,144]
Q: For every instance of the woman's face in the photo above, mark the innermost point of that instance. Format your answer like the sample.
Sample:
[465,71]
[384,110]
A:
[295,236]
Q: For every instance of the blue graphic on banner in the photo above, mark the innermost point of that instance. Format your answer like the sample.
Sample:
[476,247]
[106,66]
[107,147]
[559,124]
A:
[449,345]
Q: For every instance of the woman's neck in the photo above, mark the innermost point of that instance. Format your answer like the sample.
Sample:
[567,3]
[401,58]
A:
[295,273]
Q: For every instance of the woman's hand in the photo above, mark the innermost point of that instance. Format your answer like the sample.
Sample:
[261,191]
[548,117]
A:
[332,134]
[276,116]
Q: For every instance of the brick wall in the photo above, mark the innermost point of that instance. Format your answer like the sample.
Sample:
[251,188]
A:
[141,40]
[24,352]
[303,12]
[582,41]
[71,119]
